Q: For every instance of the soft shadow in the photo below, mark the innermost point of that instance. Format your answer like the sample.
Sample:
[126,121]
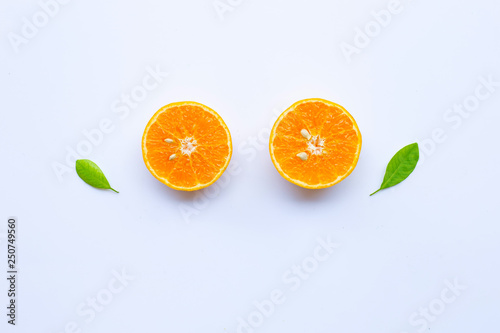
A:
[304,194]
[175,194]
[209,193]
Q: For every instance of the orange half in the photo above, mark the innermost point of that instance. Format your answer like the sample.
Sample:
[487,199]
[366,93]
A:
[315,143]
[186,145]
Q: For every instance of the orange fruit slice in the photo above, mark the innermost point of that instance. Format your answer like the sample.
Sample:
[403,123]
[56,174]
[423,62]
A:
[315,143]
[186,145]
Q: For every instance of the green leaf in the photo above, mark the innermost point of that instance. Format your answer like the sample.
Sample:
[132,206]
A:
[400,166]
[90,173]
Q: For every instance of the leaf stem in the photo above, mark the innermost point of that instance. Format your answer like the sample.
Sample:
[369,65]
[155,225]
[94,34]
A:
[112,189]
[375,192]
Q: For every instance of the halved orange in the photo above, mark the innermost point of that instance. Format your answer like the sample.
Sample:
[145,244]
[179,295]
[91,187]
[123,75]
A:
[186,145]
[315,143]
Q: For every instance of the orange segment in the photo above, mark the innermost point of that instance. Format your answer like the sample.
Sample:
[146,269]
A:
[315,143]
[186,145]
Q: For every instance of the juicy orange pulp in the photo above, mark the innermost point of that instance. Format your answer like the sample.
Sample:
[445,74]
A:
[186,145]
[315,143]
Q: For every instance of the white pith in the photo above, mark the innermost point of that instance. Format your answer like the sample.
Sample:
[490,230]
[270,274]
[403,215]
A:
[188,145]
[316,145]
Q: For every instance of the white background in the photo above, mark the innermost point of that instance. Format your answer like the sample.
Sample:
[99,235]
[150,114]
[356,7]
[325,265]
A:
[203,270]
